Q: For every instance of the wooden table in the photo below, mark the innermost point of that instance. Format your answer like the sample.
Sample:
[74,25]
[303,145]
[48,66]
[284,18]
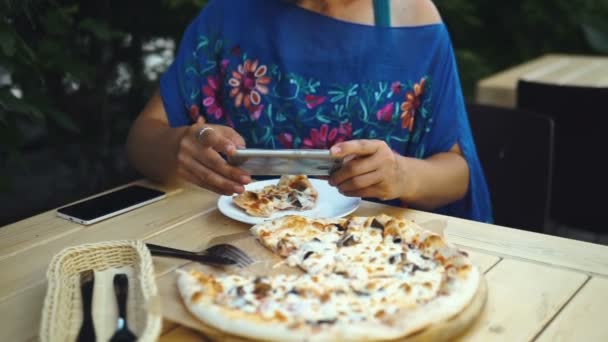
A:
[540,287]
[500,89]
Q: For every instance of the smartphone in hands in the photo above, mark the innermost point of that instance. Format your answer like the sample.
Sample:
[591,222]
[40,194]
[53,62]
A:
[285,162]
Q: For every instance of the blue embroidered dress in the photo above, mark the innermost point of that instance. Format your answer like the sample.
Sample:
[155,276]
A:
[286,77]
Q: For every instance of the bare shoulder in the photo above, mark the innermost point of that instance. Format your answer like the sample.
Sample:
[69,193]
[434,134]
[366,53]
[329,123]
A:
[414,13]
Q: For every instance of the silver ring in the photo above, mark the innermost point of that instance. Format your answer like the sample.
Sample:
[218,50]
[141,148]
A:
[200,134]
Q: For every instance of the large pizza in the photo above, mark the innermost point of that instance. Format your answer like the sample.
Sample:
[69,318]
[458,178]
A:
[364,278]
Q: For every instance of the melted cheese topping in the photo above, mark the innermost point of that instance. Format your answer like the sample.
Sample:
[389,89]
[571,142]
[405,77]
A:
[325,299]
[357,270]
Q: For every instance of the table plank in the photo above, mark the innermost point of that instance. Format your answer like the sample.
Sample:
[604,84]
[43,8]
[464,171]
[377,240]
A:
[484,261]
[556,67]
[168,326]
[21,314]
[500,89]
[497,89]
[569,68]
[183,334]
[522,299]
[515,243]
[581,73]
[584,318]
[40,229]
[33,232]
[597,78]
[25,270]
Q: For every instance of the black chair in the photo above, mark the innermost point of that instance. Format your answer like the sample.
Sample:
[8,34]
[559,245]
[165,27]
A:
[515,149]
[580,115]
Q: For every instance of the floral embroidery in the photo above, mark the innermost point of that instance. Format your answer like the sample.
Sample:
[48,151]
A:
[386,112]
[248,83]
[256,111]
[346,130]
[273,109]
[214,94]
[213,97]
[323,137]
[411,105]
[313,101]
[286,140]
[396,88]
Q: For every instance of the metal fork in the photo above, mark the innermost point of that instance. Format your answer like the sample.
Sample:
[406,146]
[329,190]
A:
[221,254]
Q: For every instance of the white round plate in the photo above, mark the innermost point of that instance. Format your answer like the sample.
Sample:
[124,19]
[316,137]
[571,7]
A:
[330,203]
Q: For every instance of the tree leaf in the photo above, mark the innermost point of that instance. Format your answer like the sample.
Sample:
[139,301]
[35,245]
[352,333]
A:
[7,41]
[58,20]
[63,120]
[11,104]
[596,36]
[100,29]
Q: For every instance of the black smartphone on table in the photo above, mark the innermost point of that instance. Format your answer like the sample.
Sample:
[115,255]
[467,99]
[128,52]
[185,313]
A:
[110,204]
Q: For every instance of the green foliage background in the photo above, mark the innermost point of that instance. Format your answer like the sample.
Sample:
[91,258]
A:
[67,60]
[489,36]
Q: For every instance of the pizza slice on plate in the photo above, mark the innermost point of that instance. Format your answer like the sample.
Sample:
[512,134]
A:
[290,193]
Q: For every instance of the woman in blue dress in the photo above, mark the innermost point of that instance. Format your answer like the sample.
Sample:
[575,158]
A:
[372,79]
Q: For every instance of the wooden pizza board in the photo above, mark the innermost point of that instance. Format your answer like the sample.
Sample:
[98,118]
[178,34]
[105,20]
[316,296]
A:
[266,263]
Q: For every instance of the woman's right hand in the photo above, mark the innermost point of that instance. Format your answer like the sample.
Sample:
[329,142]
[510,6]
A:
[199,160]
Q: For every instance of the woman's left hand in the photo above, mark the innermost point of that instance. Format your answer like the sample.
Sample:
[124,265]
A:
[374,170]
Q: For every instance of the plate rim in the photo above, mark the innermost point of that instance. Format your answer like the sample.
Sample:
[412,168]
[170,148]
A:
[261,183]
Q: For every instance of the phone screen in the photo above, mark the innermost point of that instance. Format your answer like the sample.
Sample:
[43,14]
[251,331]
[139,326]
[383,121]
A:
[120,200]
[284,162]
